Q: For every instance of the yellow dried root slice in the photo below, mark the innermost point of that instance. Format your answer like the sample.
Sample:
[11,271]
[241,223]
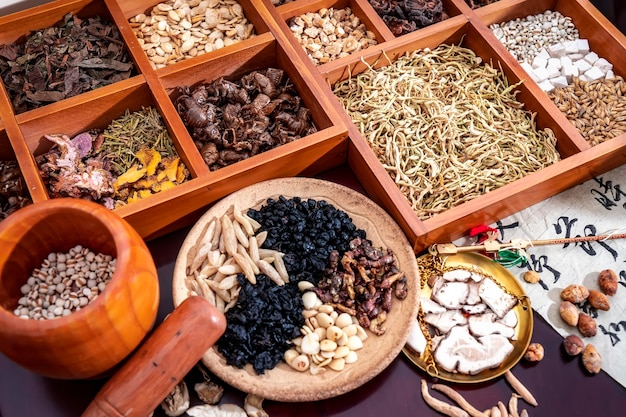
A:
[150,159]
[134,174]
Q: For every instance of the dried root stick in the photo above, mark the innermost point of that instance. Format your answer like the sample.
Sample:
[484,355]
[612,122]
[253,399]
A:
[513,405]
[524,413]
[502,408]
[495,412]
[441,406]
[459,399]
[520,388]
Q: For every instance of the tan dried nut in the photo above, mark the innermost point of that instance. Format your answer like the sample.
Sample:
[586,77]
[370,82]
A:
[310,344]
[569,313]
[573,345]
[608,281]
[592,361]
[351,357]
[532,277]
[575,293]
[305,285]
[534,353]
[355,343]
[343,320]
[309,300]
[300,363]
[587,325]
[328,345]
[290,355]
[598,300]
[337,364]
[325,320]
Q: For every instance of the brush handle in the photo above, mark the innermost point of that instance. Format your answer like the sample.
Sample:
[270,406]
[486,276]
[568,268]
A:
[151,373]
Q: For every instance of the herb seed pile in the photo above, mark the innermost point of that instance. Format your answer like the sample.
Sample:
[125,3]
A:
[64,283]
[13,191]
[58,62]
[457,132]
[131,159]
[579,82]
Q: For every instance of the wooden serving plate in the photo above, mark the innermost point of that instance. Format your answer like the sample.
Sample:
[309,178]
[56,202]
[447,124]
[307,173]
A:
[284,383]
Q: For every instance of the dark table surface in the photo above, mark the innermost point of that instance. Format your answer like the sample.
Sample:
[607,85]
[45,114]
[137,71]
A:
[559,383]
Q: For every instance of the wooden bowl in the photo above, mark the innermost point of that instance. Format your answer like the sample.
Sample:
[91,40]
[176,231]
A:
[284,383]
[90,342]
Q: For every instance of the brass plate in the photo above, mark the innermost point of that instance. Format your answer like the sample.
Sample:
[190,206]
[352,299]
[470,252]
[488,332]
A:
[284,383]
[523,331]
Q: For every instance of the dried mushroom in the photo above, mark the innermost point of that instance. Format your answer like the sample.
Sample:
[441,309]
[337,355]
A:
[177,401]
[208,391]
[224,410]
[253,405]
[230,121]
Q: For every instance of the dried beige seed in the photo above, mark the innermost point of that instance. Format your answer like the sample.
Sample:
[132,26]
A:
[575,293]
[592,361]
[569,313]
[532,277]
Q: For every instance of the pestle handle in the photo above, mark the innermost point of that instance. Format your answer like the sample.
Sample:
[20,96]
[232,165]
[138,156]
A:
[161,362]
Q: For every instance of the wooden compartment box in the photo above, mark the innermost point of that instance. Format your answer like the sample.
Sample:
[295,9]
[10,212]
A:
[338,140]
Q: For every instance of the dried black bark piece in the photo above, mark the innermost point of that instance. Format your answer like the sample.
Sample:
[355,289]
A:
[62,61]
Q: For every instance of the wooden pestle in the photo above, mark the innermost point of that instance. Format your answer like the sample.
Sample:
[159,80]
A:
[161,362]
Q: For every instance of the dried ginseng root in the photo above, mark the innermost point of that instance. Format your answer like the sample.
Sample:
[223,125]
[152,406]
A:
[457,132]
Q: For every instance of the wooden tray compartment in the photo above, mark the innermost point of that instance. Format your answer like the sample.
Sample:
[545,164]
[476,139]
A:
[360,8]
[575,166]
[17,27]
[604,39]
[125,10]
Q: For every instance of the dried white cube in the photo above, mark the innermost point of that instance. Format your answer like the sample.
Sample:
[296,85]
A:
[591,57]
[565,60]
[569,71]
[583,46]
[530,71]
[609,74]
[554,62]
[571,47]
[540,62]
[540,74]
[603,64]
[557,50]
[594,73]
[553,71]
[559,82]
[546,86]
[576,57]
[582,66]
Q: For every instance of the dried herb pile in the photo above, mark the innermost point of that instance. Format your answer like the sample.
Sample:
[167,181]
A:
[405,16]
[131,159]
[267,317]
[446,127]
[63,61]
[13,191]
[235,120]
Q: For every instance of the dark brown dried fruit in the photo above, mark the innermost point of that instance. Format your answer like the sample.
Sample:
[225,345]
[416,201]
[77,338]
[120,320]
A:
[598,300]
[592,361]
[587,325]
[608,281]
[534,353]
[573,345]
[569,313]
[575,293]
